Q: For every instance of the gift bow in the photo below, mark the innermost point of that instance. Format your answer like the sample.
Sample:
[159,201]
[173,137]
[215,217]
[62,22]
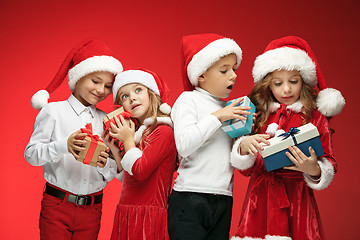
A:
[292,131]
[89,132]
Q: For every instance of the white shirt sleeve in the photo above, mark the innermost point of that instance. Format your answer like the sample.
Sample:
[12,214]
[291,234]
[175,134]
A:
[109,171]
[41,149]
[191,132]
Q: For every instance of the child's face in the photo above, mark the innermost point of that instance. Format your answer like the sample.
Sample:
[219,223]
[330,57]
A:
[220,78]
[94,87]
[134,97]
[286,86]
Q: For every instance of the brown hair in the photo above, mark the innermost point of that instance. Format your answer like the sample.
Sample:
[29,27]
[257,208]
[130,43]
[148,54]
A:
[262,97]
[153,112]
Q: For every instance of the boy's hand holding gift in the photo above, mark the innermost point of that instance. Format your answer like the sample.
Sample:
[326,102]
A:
[88,148]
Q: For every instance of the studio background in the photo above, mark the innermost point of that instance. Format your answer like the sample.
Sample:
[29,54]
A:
[37,35]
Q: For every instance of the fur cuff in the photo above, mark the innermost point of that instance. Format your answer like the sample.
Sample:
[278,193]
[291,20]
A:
[327,175]
[130,158]
[241,162]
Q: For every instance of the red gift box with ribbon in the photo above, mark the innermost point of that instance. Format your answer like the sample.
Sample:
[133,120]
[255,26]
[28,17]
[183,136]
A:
[94,145]
[116,113]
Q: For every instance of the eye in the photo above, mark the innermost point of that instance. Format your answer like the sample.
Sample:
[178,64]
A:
[223,71]
[137,90]
[95,81]
[108,86]
[124,96]
[294,81]
[277,83]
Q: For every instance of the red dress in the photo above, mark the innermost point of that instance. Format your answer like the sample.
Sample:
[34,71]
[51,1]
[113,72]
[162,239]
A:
[280,204]
[142,209]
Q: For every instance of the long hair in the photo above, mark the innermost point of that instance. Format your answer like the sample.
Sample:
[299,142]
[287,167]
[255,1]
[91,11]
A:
[262,97]
[153,112]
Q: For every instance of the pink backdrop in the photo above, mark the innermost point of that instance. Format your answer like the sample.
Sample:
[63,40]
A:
[36,36]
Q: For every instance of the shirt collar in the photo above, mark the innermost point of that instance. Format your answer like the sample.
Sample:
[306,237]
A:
[79,107]
[207,93]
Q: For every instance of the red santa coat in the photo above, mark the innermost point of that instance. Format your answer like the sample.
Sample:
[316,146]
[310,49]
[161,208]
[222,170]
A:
[142,209]
[281,204]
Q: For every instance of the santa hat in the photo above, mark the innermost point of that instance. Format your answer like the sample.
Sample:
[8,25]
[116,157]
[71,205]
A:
[293,53]
[201,51]
[89,56]
[147,78]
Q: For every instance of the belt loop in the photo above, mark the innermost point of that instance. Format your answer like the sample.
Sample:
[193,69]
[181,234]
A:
[65,198]
[92,199]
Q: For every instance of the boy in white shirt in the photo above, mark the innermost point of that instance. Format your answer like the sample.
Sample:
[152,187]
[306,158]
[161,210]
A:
[200,205]
[72,200]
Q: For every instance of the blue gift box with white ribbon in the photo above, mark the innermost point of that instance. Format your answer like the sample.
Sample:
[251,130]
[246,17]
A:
[235,127]
[303,137]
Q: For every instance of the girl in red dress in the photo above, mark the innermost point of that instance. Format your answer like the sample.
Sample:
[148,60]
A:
[280,204]
[150,156]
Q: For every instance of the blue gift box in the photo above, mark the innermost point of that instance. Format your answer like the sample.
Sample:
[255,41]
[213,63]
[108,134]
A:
[274,156]
[235,127]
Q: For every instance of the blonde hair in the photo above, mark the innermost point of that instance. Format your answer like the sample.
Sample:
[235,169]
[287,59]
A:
[262,97]
[153,112]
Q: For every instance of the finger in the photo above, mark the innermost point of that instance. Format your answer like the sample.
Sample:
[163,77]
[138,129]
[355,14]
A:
[294,153]
[79,142]
[132,124]
[240,117]
[118,121]
[253,150]
[312,152]
[294,168]
[78,148]
[80,135]
[114,127]
[300,153]
[292,158]
[122,120]
[236,102]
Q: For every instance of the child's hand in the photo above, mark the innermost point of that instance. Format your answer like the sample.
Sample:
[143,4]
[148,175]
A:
[75,143]
[124,131]
[232,111]
[103,158]
[251,144]
[303,163]
[116,154]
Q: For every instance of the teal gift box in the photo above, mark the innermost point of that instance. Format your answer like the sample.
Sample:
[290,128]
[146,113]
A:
[235,127]
[274,155]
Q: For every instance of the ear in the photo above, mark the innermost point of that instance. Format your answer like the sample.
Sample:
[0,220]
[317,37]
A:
[201,78]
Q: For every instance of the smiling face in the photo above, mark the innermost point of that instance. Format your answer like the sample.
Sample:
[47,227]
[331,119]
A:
[220,78]
[134,97]
[94,87]
[286,86]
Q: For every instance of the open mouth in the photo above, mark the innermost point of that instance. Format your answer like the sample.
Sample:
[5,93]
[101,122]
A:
[135,106]
[230,87]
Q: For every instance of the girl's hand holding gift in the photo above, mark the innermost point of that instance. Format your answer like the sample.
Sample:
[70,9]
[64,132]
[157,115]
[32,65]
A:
[115,150]
[76,143]
[124,131]
[251,144]
[303,163]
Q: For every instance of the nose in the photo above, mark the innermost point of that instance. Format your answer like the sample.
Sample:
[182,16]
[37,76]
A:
[287,88]
[100,89]
[233,76]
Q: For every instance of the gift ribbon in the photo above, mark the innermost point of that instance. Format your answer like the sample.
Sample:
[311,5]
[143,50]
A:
[292,131]
[232,120]
[94,139]
[125,115]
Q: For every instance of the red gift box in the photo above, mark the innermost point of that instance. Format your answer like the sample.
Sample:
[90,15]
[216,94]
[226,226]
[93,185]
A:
[94,145]
[117,113]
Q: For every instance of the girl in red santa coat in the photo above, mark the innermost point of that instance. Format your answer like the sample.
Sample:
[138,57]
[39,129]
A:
[150,156]
[280,204]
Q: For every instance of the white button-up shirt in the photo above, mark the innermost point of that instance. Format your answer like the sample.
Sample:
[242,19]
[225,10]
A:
[48,147]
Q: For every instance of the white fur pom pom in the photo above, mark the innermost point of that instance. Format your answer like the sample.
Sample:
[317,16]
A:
[330,102]
[165,108]
[40,99]
[271,129]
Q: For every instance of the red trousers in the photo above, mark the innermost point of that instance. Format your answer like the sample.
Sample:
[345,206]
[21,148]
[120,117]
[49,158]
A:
[60,219]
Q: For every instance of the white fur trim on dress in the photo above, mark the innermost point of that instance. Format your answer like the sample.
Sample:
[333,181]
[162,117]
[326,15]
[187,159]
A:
[40,99]
[93,64]
[238,161]
[327,175]
[267,237]
[134,76]
[130,158]
[147,122]
[330,102]
[210,54]
[285,58]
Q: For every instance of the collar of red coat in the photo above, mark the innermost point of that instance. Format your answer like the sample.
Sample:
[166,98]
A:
[295,107]
[149,121]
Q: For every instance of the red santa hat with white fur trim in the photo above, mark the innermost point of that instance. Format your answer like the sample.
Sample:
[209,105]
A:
[293,53]
[201,51]
[147,78]
[89,56]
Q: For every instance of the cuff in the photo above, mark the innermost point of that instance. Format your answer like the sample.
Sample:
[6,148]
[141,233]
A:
[241,162]
[120,175]
[130,158]
[109,170]
[327,175]
[61,146]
